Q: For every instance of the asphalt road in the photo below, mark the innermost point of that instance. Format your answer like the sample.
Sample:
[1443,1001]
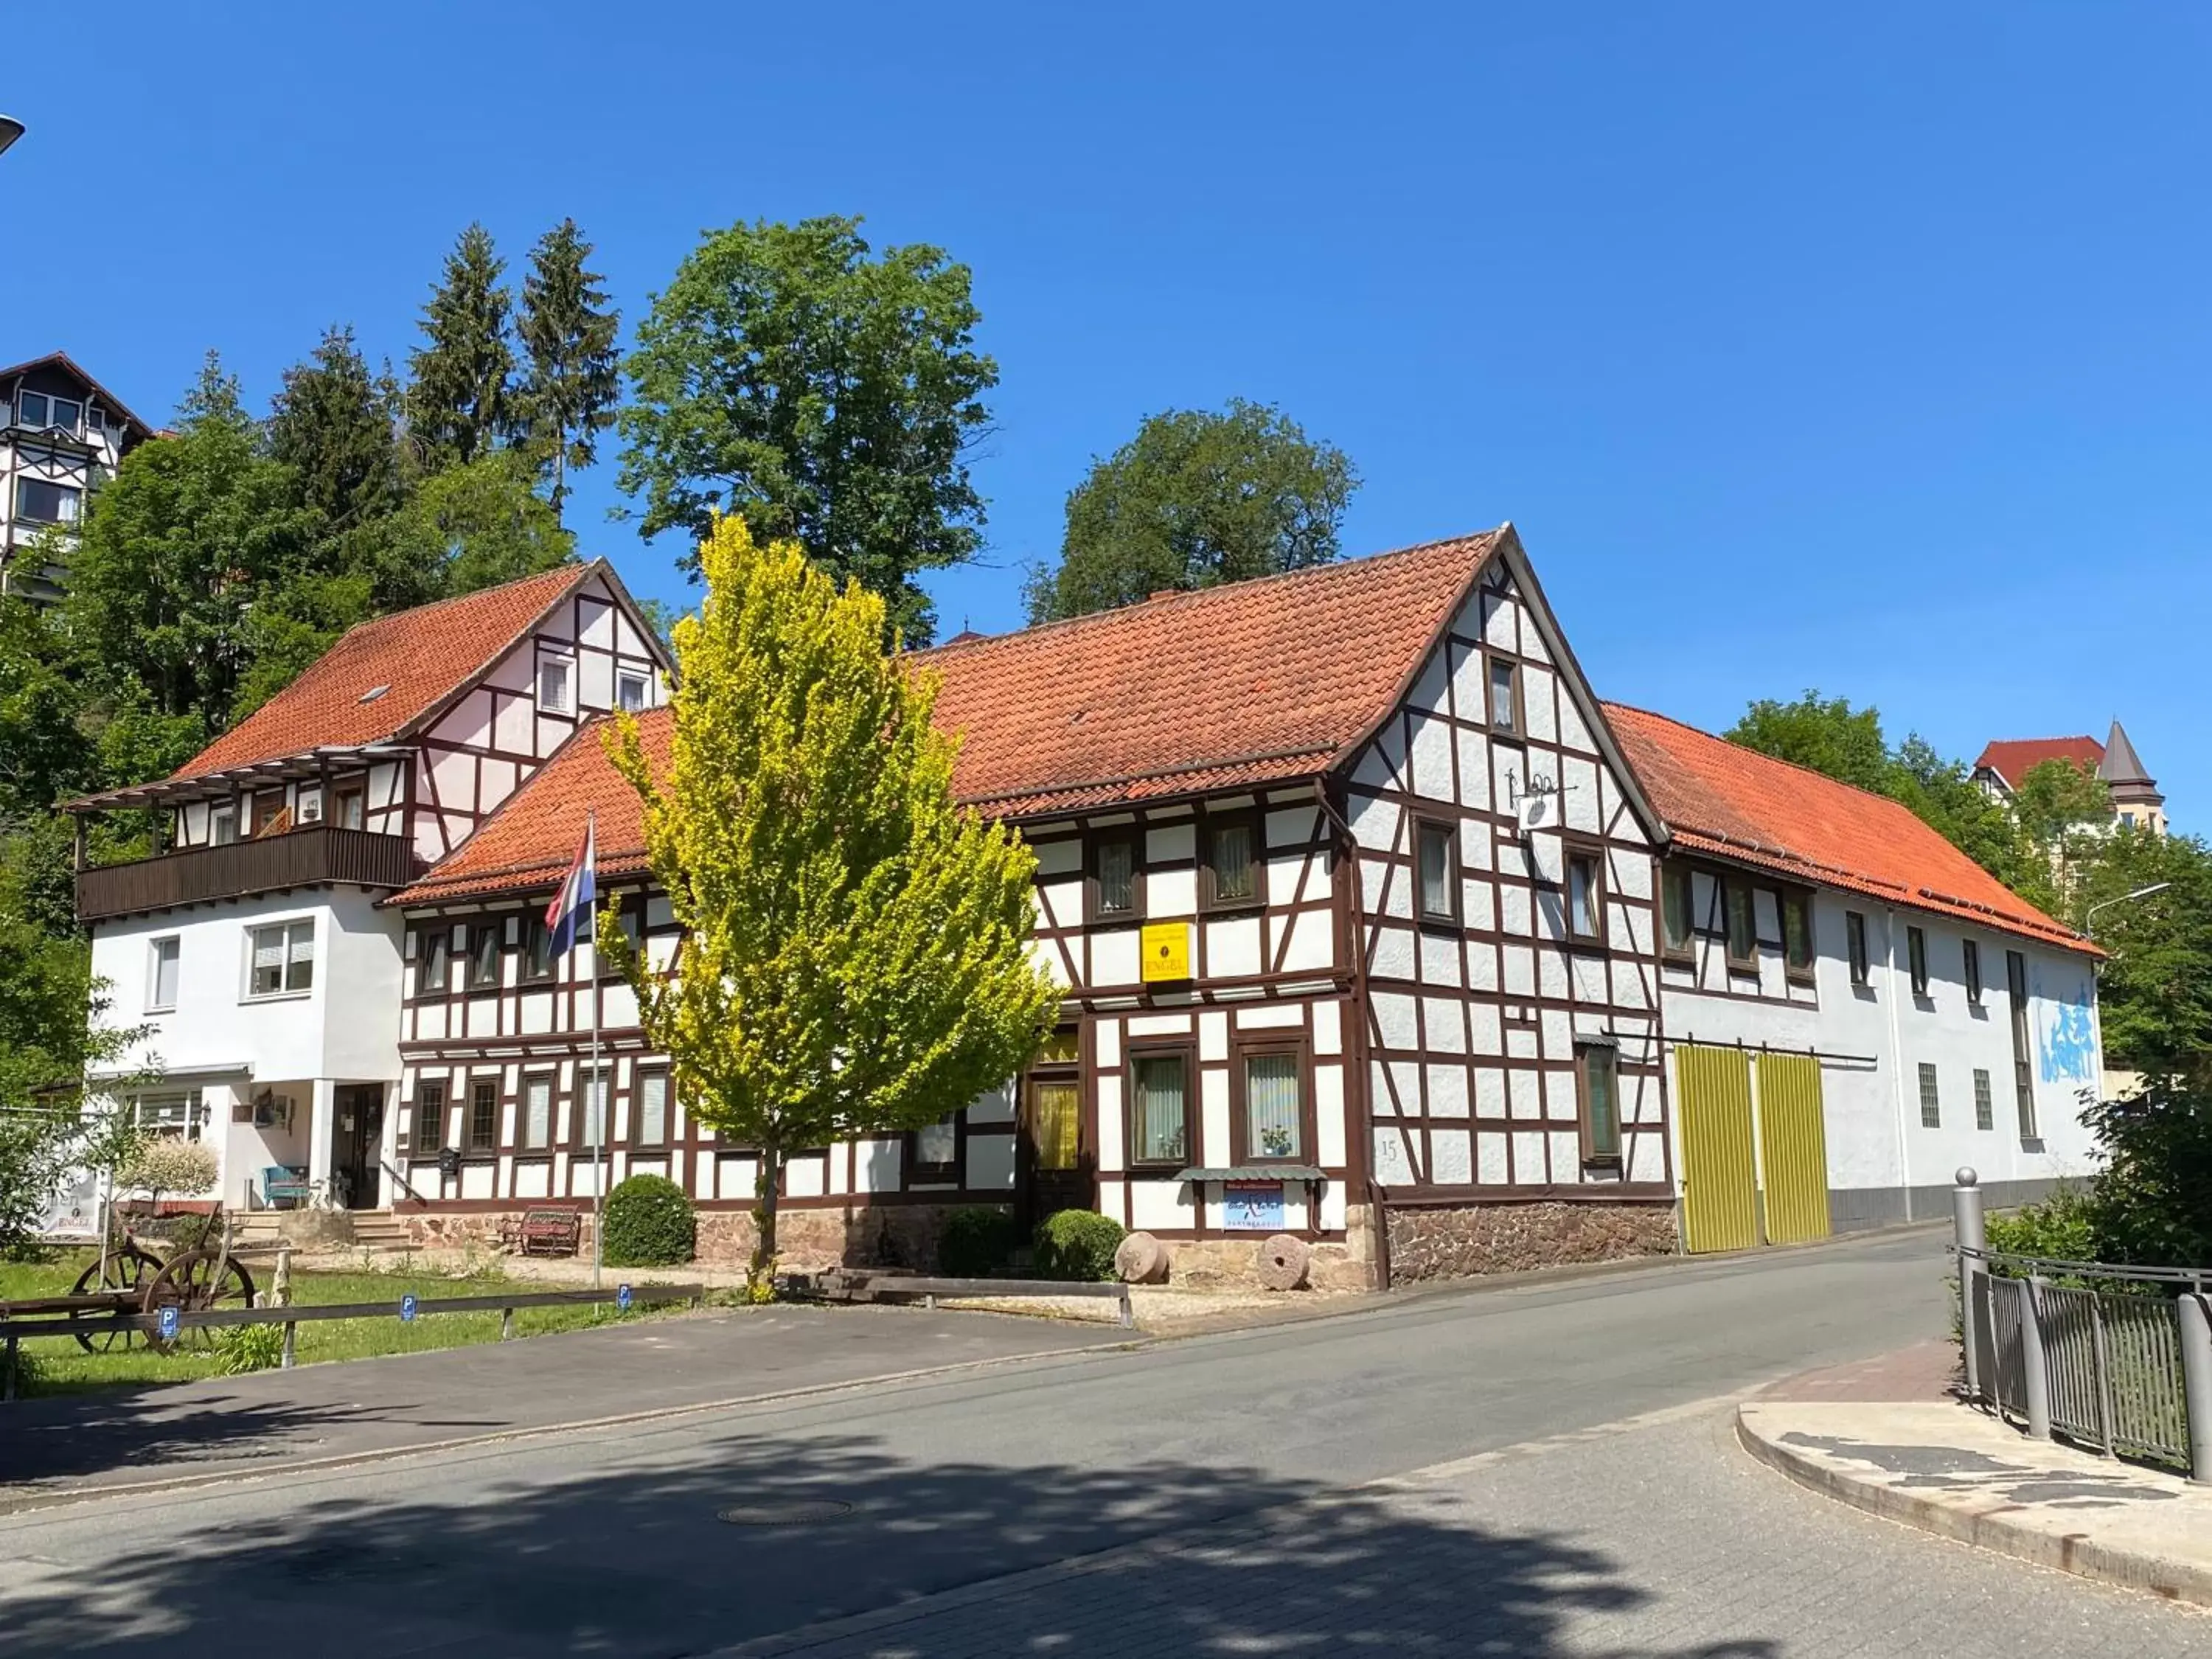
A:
[1557,1479]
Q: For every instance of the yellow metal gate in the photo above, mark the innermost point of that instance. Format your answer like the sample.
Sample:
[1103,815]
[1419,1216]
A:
[1793,1148]
[1712,1094]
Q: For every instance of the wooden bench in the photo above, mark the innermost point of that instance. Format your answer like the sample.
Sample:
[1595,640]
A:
[543,1232]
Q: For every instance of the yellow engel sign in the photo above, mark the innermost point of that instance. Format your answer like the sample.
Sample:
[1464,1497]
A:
[1166,947]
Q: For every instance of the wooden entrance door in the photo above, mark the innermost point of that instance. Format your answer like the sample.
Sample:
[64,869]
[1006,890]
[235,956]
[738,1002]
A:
[1057,1164]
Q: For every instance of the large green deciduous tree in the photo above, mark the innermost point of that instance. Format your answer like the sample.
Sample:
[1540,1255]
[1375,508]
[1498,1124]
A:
[2154,990]
[460,403]
[336,426]
[1196,498]
[820,393]
[855,950]
[570,380]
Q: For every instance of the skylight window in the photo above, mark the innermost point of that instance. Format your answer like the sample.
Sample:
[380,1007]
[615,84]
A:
[373,693]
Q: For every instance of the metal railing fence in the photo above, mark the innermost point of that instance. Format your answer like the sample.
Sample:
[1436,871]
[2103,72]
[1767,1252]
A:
[2114,1359]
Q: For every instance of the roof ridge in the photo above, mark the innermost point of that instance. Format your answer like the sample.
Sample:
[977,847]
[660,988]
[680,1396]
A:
[2071,737]
[573,569]
[1358,562]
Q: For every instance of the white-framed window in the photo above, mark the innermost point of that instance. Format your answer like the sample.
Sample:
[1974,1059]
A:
[280,959]
[163,957]
[630,690]
[556,676]
[168,1116]
[222,824]
[31,408]
[311,806]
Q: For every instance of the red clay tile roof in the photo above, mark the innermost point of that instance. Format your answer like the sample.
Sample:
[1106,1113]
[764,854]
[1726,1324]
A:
[1734,803]
[530,840]
[2014,758]
[423,656]
[1238,686]
[1241,684]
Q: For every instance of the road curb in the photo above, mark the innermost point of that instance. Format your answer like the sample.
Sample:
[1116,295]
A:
[2073,1552]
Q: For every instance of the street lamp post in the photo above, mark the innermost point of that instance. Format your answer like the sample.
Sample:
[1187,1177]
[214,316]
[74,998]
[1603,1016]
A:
[10,130]
[2090,914]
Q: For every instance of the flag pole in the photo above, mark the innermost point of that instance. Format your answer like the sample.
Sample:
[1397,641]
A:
[601,1095]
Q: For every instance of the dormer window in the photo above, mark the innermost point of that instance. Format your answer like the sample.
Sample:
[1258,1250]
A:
[553,686]
[64,413]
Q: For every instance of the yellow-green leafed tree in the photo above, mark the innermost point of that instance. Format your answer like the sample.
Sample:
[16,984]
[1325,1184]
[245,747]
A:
[854,956]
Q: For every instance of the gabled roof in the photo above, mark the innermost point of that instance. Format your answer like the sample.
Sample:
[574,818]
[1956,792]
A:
[63,360]
[1241,685]
[2011,759]
[532,837]
[1725,801]
[382,678]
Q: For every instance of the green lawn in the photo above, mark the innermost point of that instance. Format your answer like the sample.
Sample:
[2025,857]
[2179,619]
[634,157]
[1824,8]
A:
[58,1365]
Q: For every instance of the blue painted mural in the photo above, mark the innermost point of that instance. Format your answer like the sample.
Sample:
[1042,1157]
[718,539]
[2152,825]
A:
[2066,1031]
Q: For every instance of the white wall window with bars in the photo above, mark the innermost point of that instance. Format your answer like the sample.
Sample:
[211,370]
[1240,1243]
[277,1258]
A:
[1274,1107]
[280,959]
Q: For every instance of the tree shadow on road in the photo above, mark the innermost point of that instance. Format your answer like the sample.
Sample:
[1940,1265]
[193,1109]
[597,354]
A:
[930,1559]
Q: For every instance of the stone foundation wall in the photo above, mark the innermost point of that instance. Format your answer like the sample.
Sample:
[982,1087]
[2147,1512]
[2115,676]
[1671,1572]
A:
[808,1240]
[1503,1238]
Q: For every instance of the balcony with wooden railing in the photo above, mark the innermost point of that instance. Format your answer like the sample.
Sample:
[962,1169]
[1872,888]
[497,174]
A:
[315,856]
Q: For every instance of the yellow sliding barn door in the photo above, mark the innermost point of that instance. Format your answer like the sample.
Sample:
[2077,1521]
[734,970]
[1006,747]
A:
[1712,1095]
[1793,1148]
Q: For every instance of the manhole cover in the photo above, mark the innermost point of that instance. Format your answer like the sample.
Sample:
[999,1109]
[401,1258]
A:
[784,1512]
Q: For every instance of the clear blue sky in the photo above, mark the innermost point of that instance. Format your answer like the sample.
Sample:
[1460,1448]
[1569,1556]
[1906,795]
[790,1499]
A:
[1863,348]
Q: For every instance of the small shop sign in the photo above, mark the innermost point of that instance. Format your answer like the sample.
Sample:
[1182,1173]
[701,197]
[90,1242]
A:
[1166,950]
[1252,1206]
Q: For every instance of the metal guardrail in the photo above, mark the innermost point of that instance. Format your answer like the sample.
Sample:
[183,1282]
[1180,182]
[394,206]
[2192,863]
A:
[2117,1371]
[166,1324]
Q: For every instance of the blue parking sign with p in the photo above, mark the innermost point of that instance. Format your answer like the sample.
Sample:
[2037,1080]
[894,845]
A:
[407,1306]
[622,1297]
[171,1322]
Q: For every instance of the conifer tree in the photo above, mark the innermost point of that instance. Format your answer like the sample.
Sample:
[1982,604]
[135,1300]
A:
[338,426]
[570,382]
[461,403]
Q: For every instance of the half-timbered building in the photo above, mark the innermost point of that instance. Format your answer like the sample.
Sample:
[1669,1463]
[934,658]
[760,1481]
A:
[62,434]
[252,950]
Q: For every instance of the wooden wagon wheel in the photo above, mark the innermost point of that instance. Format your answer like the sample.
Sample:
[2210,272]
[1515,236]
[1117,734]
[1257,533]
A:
[189,1282]
[127,1272]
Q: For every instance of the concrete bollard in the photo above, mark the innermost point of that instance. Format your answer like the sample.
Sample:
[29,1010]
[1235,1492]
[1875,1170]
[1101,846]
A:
[2196,1381]
[1967,1234]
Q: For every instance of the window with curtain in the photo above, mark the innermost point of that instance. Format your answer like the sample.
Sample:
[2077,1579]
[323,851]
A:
[937,1147]
[161,988]
[1742,924]
[536,1112]
[1056,1123]
[1274,1114]
[437,956]
[1163,1108]
[1439,879]
[484,956]
[430,1117]
[652,1104]
[591,1109]
[1229,856]
[1504,696]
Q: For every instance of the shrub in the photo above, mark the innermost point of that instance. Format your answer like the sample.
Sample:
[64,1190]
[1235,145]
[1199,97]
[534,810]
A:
[1077,1244]
[244,1348]
[976,1243]
[649,1223]
[170,1166]
[2152,1206]
[2059,1227]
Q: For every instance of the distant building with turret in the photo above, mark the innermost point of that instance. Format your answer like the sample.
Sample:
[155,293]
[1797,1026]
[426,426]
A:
[2006,762]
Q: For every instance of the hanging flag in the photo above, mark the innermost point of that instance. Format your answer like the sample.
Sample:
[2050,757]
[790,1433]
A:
[571,909]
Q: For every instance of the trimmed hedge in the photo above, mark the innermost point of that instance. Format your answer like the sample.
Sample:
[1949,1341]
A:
[976,1243]
[1077,1244]
[649,1223]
